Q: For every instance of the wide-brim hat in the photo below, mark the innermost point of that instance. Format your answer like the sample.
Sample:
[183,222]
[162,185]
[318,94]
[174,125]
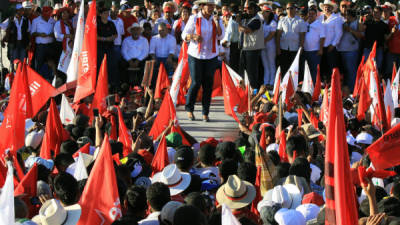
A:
[134,25]
[176,181]
[199,2]
[264,2]
[52,213]
[328,2]
[392,6]
[288,195]
[236,193]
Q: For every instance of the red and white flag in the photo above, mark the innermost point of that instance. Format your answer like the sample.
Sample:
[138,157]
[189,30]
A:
[87,66]
[308,85]
[102,182]
[293,72]
[231,96]
[389,104]
[72,71]
[176,80]
[277,85]
[395,89]
[323,114]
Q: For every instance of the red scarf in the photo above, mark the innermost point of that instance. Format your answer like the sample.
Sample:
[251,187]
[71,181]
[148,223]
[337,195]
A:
[178,30]
[214,33]
[64,41]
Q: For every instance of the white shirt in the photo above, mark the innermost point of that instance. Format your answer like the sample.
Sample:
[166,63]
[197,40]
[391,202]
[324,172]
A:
[176,24]
[58,33]
[315,31]
[39,25]
[162,47]
[333,30]
[291,29]
[268,28]
[206,34]
[119,25]
[151,219]
[135,49]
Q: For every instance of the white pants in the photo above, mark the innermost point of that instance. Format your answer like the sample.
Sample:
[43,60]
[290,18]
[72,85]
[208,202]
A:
[268,55]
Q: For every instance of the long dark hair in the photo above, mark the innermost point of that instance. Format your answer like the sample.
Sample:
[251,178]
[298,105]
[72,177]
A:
[270,18]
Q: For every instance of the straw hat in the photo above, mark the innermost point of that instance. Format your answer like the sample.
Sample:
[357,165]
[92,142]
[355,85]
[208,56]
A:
[236,193]
[52,213]
[176,181]
[199,2]
[328,2]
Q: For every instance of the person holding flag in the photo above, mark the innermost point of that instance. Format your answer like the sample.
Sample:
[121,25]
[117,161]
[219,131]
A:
[202,31]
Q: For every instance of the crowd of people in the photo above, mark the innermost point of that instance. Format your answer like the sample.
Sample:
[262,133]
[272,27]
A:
[273,172]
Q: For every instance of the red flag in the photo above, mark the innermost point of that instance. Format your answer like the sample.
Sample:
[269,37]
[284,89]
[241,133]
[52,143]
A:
[164,116]
[317,88]
[41,90]
[314,120]
[231,97]
[258,197]
[12,130]
[384,152]
[357,85]
[85,149]
[28,183]
[244,99]
[162,81]
[102,182]
[99,98]
[365,100]
[299,116]
[394,71]
[116,158]
[262,142]
[124,134]
[289,94]
[55,133]
[113,132]
[282,147]
[160,160]
[276,92]
[340,197]
[87,67]
[217,85]
[178,129]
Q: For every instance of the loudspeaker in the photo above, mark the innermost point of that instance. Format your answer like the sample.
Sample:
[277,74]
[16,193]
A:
[4,5]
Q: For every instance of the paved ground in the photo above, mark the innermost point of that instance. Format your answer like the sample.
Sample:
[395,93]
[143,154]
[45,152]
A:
[220,125]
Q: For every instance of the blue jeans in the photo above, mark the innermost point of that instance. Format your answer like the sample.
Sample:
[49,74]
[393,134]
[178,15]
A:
[313,60]
[18,51]
[350,64]
[41,52]
[378,57]
[202,75]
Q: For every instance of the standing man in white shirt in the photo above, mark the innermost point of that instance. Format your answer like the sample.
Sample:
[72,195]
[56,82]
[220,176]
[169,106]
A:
[63,31]
[162,49]
[290,37]
[43,32]
[135,50]
[314,42]
[334,30]
[203,31]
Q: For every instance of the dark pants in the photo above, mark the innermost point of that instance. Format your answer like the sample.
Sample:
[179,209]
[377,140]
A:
[285,60]
[168,68]
[113,78]
[250,62]
[132,77]
[328,62]
[202,75]
[234,56]
[350,63]
[313,60]
[17,51]
[42,51]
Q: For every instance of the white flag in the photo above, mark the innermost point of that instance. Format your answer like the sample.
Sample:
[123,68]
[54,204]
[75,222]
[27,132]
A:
[227,217]
[65,59]
[176,80]
[236,78]
[277,77]
[395,90]
[294,70]
[388,100]
[72,71]
[308,85]
[7,215]
[80,169]
[67,114]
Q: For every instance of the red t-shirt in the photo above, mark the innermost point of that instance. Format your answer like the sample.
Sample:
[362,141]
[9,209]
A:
[128,21]
[394,41]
